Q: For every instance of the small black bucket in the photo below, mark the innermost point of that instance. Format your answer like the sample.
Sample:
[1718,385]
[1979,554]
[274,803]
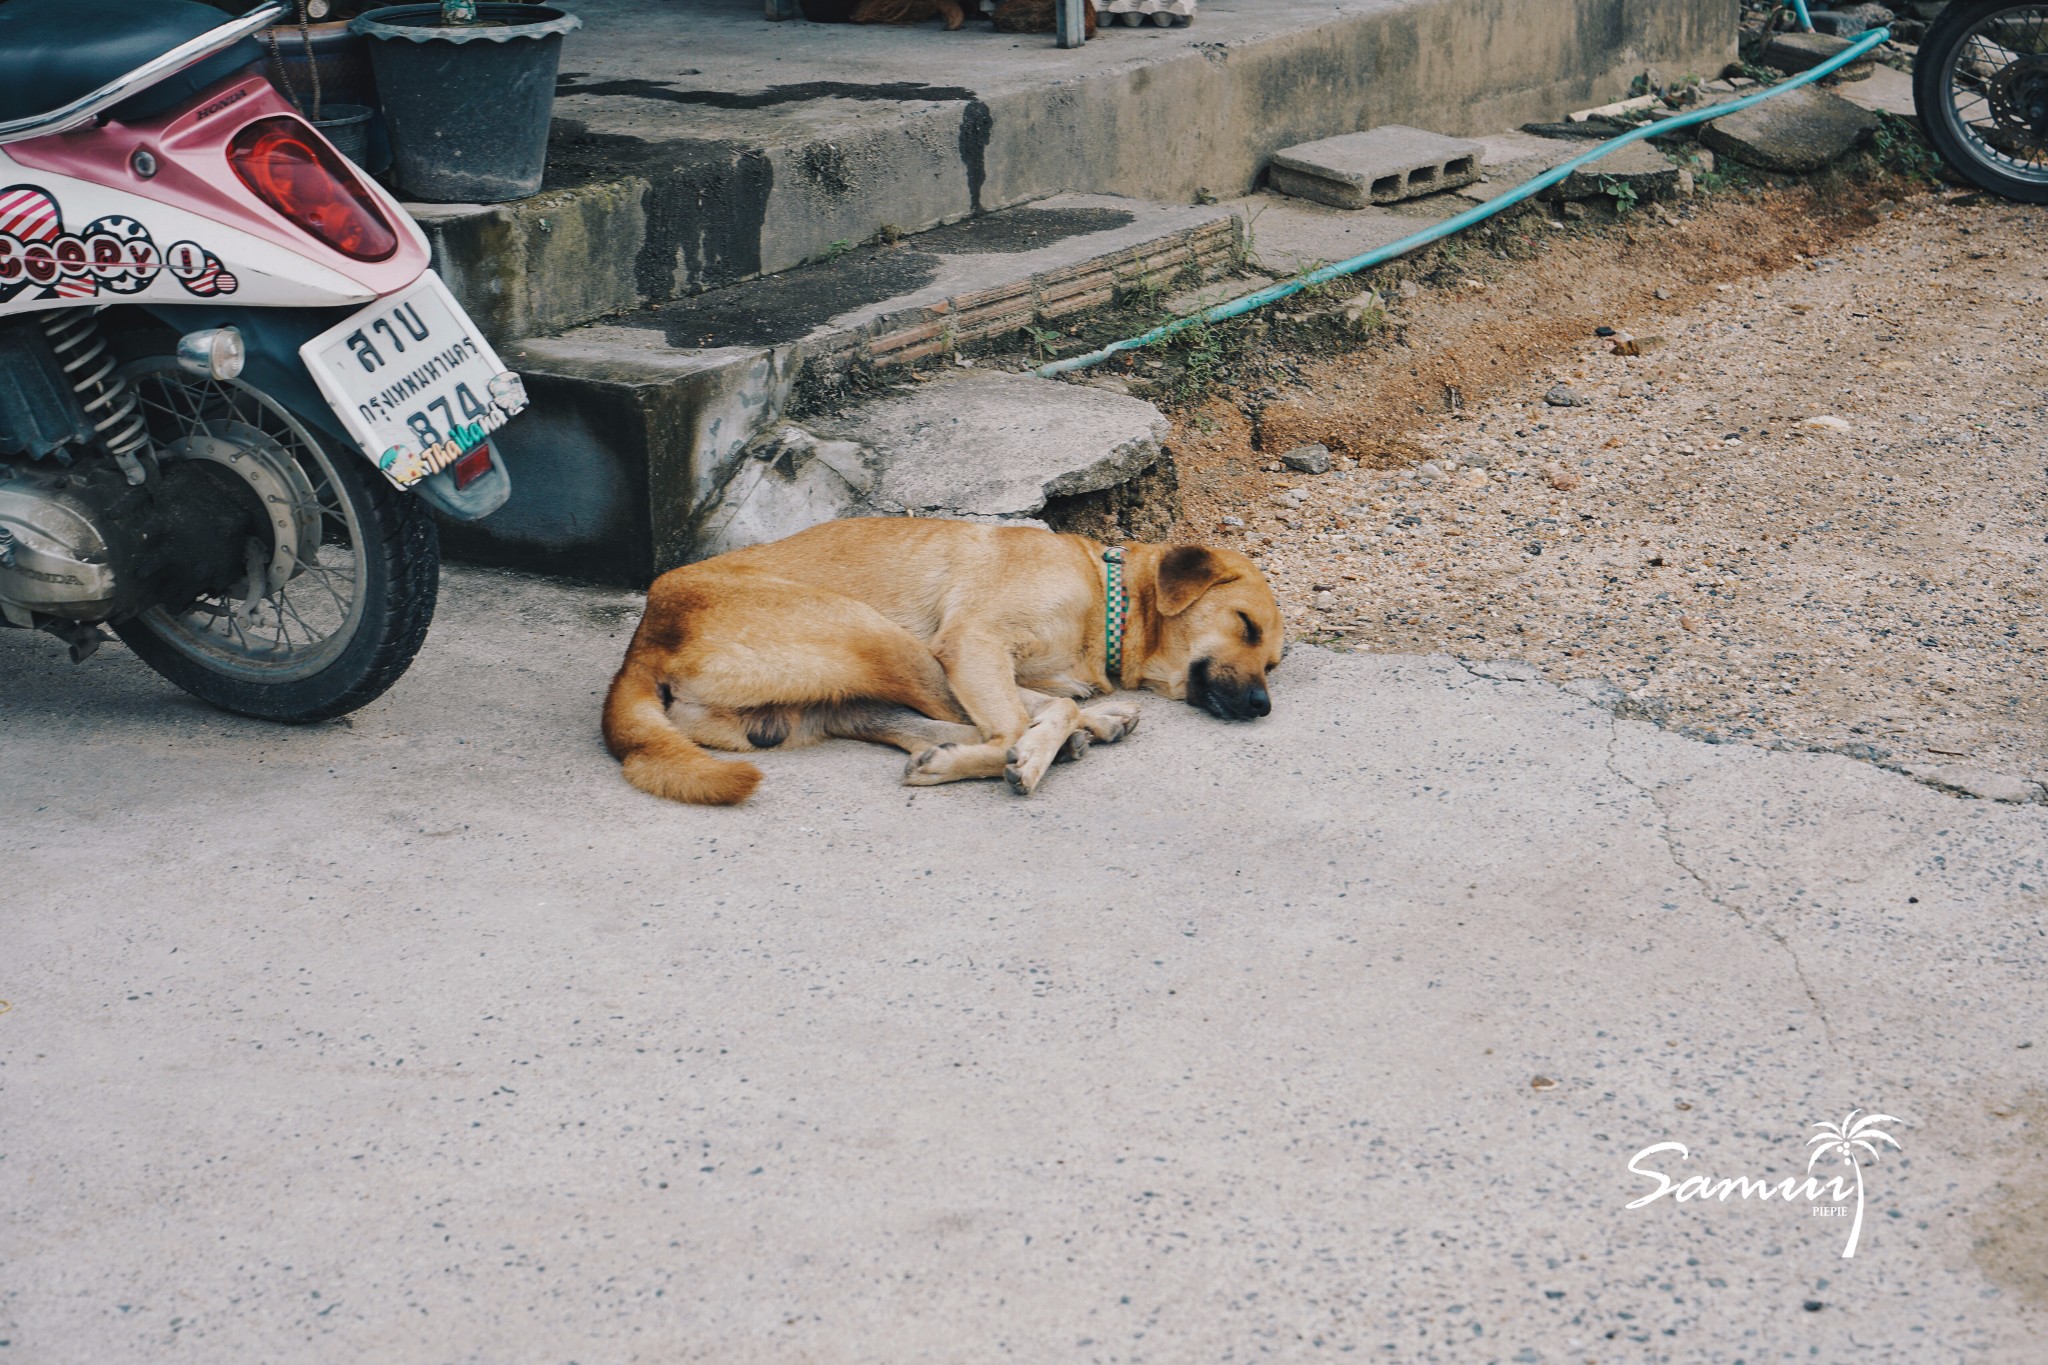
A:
[347,126]
[348,90]
[468,107]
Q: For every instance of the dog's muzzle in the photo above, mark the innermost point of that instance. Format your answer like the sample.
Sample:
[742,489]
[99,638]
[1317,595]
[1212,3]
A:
[1226,696]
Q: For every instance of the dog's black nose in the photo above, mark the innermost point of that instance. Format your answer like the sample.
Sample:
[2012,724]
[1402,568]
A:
[1257,702]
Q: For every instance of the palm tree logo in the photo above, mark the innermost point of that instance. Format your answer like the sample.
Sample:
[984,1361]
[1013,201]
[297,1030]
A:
[1843,1140]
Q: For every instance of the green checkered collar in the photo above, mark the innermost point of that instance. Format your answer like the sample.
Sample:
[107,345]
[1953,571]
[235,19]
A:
[1116,610]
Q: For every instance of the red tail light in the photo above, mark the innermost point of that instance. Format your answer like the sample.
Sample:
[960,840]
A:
[286,165]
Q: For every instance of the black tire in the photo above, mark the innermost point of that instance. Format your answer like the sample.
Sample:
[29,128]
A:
[394,558]
[1964,137]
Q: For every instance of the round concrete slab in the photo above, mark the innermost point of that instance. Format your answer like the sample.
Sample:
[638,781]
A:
[998,445]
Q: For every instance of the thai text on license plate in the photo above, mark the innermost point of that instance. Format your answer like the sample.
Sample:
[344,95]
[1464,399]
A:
[413,382]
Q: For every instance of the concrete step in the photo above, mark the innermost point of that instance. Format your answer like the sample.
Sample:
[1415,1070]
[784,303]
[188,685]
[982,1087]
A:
[699,145]
[660,437]
[928,294]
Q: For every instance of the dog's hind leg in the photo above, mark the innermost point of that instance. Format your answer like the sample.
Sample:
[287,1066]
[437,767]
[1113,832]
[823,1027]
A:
[749,728]
[897,726]
[739,660]
[780,644]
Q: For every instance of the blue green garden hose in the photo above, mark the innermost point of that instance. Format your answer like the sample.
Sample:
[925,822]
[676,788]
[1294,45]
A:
[1479,214]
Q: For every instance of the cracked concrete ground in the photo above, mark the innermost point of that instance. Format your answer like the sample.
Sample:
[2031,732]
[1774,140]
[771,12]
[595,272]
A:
[424,1037]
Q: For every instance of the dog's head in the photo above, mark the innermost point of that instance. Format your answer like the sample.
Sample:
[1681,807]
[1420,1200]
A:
[1220,632]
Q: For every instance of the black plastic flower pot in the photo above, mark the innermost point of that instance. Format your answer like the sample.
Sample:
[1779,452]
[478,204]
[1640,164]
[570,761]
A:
[468,107]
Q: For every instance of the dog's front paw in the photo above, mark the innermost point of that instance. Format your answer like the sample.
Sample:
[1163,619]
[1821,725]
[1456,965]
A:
[1109,722]
[1075,747]
[927,769]
[1018,775]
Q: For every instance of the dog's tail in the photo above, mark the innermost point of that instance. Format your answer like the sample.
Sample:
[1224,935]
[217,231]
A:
[659,758]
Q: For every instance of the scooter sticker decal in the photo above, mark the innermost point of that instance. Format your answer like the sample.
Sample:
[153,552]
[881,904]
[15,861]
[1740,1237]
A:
[114,254]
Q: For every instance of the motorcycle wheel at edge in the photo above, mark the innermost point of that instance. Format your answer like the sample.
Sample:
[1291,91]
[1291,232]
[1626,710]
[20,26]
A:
[1980,87]
[338,591]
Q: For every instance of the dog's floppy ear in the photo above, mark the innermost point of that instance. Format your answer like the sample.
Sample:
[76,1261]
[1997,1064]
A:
[1185,573]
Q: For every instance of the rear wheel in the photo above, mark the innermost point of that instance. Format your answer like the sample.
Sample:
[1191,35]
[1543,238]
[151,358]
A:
[1980,86]
[338,584]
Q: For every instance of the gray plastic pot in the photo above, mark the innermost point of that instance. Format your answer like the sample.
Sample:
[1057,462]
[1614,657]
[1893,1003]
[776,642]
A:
[347,86]
[468,108]
[347,126]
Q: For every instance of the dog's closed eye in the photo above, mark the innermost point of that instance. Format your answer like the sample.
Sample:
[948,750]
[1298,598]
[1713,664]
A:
[1252,634]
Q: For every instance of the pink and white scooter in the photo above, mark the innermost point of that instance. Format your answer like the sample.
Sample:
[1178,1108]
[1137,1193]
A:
[228,379]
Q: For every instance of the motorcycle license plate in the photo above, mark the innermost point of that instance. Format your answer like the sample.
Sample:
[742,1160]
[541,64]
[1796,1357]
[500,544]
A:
[413,381]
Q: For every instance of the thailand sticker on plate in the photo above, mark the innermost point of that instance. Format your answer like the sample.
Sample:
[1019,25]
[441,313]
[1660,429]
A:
[413,381]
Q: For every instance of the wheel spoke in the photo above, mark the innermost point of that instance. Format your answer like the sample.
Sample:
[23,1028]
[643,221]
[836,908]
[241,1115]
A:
[288,633]
[1997,78]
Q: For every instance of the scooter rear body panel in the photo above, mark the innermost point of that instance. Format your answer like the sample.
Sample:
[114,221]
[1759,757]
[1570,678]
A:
[82,225]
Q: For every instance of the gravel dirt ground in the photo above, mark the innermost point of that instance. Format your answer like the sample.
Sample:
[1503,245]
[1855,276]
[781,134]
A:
[1808,515]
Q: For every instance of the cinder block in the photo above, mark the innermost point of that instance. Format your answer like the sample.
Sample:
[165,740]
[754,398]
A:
[1382,166]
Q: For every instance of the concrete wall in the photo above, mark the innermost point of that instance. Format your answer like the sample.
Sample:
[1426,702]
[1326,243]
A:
[639,221]
[1210,120]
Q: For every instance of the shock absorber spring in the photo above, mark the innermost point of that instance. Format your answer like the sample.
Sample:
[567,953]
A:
[110,403]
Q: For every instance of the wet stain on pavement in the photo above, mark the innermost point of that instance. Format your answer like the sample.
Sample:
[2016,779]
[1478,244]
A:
[790,305]
[785,307]
[705,202]
[975,126]
[1025,229]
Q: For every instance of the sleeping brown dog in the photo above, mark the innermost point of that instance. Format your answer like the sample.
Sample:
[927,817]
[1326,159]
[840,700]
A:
[908,12]
[1012,16]
[967,646]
